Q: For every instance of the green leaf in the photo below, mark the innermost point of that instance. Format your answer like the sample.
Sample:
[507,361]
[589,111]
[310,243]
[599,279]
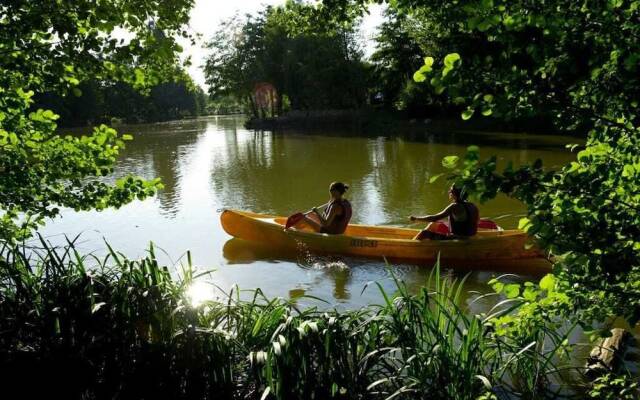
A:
[450,162]
[512,290]
[487,4]
[419,77]
[628,171]
[524,223]
[435,178]
[484,25]
[467,114]
[450,59]
[428,62]
[459,100]
[530,294]
[548,282]
[97,307]
[497,287]
[139,77]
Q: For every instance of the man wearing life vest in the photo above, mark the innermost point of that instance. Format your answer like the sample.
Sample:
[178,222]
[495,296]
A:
[336,215]
[463,218]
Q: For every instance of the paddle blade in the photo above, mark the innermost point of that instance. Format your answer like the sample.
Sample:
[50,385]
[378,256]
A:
[294,219]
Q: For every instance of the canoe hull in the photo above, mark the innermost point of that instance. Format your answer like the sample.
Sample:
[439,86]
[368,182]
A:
[496,250]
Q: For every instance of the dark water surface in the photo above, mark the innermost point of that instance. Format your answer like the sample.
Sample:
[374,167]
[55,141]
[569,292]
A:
[212,163]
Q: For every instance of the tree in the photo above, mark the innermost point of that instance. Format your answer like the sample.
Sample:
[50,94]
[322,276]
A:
[53,46]
[100,102]
[232,68]
[529,61]
[396,58]
[576,64]
[314,64]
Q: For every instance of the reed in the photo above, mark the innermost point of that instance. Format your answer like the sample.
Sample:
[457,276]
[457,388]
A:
[78,326]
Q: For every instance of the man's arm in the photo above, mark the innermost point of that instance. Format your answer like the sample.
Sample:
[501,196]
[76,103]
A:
[435,217]
[333,213]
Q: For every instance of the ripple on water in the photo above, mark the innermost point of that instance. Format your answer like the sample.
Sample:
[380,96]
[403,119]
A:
[332,265]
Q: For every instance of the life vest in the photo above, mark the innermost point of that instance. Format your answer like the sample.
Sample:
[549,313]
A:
[469,226]
[340,222]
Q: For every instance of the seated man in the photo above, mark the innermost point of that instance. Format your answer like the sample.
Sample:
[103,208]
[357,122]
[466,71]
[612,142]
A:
[463,218]
[336,215]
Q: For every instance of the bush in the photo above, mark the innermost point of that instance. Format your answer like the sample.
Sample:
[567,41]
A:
[83,327]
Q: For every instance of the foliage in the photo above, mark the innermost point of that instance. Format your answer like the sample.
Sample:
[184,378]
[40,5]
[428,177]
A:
[102,102]
[587,213]
[396,58]
[119,328]
[400,68]
[232,68]
[519,59]
[224,105]
[610,387]
[53,46]
[576,64]
[528,319]
[525,59]
[312,63]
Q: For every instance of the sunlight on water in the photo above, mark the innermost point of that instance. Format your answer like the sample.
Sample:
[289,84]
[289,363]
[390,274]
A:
[337,265]
[215,162]
[200,292]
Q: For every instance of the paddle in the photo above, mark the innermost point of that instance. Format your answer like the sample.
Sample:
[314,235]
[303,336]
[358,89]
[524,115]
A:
[297,217]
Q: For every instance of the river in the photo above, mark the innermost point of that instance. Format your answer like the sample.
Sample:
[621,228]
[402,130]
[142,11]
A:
[212,163]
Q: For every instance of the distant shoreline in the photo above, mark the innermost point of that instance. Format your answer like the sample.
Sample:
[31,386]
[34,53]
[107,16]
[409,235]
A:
[377,121]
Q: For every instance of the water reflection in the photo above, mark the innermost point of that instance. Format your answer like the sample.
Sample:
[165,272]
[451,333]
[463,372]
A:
[332,269]
[199,292]
[284,172]
[210,163]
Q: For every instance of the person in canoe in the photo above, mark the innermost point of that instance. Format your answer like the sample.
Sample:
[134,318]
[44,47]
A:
[336,215]
[463,218]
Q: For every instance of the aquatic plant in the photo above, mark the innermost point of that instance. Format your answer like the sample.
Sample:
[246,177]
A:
[81,326]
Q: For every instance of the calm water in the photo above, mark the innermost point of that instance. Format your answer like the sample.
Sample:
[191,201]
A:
[213,163]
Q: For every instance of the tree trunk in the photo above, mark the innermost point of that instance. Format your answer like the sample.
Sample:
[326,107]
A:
[608,353]
[252,104]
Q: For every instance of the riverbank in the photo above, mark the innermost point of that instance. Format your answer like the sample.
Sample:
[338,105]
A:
[122,328]
[377,120]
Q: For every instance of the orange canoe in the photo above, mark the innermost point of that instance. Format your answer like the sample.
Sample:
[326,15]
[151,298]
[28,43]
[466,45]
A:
[506,250]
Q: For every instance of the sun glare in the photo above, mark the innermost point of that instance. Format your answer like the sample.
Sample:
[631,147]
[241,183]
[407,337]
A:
[199,292]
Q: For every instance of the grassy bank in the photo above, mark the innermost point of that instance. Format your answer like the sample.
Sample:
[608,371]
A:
[76,326]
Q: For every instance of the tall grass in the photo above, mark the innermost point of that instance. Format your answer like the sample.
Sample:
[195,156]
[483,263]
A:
[76,326]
